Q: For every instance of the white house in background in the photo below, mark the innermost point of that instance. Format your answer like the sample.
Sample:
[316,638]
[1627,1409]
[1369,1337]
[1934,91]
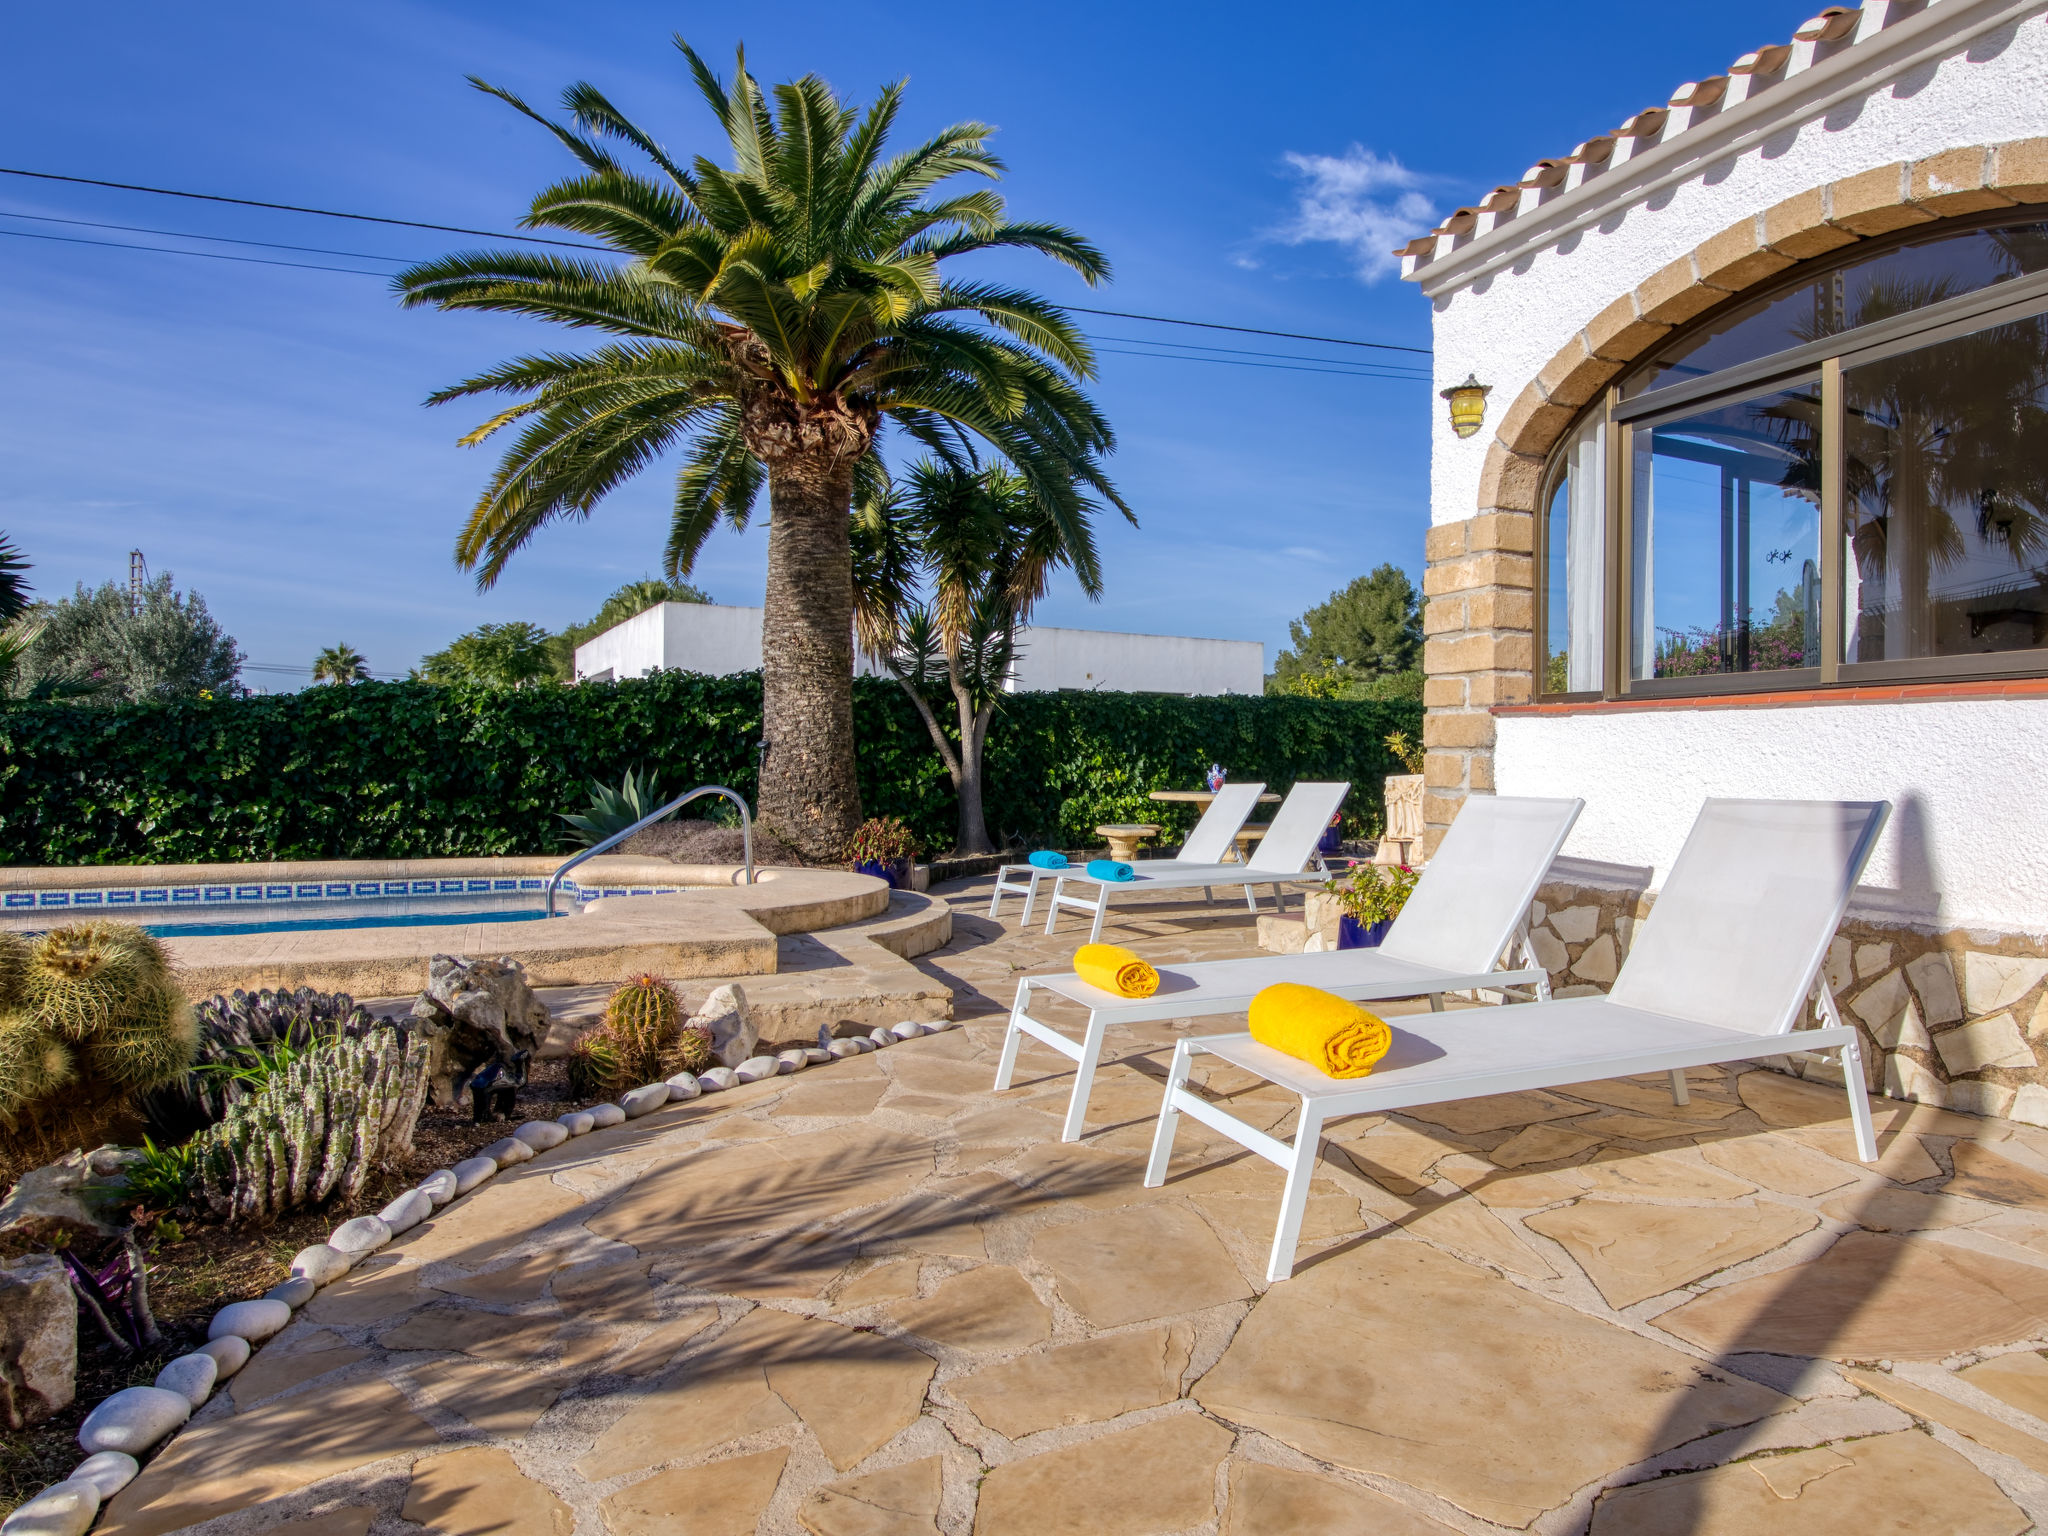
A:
[715,639]
[1759,508]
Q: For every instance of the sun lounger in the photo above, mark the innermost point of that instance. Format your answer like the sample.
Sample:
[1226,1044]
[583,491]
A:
[1470,906]
[1231,808]
[1285,852]
[1719,972]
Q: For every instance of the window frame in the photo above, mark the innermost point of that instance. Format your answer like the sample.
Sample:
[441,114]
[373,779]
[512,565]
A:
[1823,360]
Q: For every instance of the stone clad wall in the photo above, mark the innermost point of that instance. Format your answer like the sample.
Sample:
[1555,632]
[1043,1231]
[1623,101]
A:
[1955,1019]
[1479,617]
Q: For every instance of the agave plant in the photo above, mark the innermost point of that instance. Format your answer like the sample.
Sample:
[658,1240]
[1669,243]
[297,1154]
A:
[613,810]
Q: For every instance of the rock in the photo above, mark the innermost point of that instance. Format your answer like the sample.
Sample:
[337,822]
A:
[472,1171]
[717,1079]
[643,1100]
[577,1122]
[251,1320]
[230,1353]
[507,1152]
[322,1263]
[684,1085]
[38,1340]
[1633,1251]
[109,1471]
[1090,1486]
[1935,980]
[363,1235]
[1992,1042]
[721,1496]
[909,1029]
[881,1037]
[793,1060]
[1598,962]
[1081,1383]
[294,1293]
[603,1115]
[904,1498]
[992,1307]
[480,1488]
[816,1055]
[733,1035]
[1134,1265]
[478,1015]
[755,1068]
[407,1211]
[133,1420]
[1995,982]
[191,1377]
[2030,1105]
[63,1509]
[441,1186]
[841,1049]
[940,1026]
[1872,958]
[79,1190]
[1980,1098]
[1576,925]
[542,1134]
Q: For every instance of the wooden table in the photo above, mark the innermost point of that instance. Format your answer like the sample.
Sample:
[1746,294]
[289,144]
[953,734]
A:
[1241,844]
[1124,837]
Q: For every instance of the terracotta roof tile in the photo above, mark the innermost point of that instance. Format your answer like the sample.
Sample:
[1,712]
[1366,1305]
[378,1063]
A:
[1695,101]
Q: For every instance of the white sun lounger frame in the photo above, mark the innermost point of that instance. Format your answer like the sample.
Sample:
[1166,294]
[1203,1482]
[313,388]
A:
[1470,907]
[1206,844]
[1736,889]
[1284,854]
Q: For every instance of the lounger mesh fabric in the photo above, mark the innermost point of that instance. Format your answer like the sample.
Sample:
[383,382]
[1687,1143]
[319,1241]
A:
[1220,822]
[1479,885]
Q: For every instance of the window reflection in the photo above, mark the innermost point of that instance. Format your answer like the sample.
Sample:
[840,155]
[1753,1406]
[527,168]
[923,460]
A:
[1725,540]
[1575,566]
[1946,498]
[1905,277]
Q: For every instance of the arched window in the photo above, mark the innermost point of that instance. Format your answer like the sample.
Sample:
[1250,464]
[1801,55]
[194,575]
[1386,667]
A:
[1841,480]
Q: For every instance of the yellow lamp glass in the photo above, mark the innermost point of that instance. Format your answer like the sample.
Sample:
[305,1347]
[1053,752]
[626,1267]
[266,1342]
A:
[1468,404]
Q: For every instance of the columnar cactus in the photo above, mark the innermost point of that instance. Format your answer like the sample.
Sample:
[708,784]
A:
[316,1130]
[240,1030]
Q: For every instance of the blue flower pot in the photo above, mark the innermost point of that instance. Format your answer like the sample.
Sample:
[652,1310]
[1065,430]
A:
[895,871]
[1333,838]
[1352,934]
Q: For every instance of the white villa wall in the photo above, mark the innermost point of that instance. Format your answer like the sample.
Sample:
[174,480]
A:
[1506,325]
[1967,844]
[717,639]
[1123,663]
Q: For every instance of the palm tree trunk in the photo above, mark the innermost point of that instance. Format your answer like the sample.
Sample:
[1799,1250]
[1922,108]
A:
[807,793]
[972,837]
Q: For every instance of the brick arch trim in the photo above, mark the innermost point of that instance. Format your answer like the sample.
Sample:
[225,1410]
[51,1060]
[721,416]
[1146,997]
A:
[1479,615]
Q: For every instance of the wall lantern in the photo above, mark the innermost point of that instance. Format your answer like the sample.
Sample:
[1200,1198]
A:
[1468,404]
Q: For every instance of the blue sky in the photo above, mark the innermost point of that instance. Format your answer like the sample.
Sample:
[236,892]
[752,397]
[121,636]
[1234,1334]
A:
[258,430]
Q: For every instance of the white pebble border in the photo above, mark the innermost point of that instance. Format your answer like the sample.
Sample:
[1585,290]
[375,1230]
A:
[134,1421]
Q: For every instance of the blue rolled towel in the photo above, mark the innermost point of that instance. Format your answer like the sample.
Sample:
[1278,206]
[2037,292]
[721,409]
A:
[1111,871]
[1046,858]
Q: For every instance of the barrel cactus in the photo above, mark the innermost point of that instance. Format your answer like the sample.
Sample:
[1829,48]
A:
[594,1067]
[643,1013]
[90,1021]
[316,1130]
[691,1051]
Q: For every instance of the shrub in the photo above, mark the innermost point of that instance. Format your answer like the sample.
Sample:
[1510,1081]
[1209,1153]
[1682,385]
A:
[411,770]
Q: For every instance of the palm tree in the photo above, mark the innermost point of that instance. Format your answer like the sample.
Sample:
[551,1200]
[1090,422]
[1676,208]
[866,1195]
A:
[340,664]
[984,546]
[769,318]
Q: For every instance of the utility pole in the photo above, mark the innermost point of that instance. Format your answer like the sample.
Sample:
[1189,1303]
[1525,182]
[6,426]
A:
[138,575]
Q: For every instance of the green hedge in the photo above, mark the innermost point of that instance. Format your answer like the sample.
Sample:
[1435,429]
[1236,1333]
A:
[410,770]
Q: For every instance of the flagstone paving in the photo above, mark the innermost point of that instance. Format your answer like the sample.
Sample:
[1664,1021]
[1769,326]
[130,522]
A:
[879,1299]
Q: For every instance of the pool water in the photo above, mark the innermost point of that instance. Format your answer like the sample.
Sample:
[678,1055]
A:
[373,912]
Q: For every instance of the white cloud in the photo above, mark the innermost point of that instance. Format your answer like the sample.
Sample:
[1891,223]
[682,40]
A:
[1366,203]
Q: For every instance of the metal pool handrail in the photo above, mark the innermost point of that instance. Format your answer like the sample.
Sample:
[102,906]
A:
[746,834]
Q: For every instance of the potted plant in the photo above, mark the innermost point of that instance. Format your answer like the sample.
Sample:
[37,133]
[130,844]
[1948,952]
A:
[1372,896]
[884,847]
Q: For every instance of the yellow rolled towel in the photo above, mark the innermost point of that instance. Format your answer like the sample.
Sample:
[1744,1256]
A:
[1113,968]
[1331,1034]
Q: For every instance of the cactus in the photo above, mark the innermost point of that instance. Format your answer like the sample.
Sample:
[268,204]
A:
[643,1013]
[96,1024]
[242,1030]
[691,1051]
[316,1130]
[13,969]
[594,1066]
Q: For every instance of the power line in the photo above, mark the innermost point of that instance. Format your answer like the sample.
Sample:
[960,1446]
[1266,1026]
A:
[1292,357]
[325,213]
[582,245]
[1249,330]
[168,250]
[1231,362]
[180,234]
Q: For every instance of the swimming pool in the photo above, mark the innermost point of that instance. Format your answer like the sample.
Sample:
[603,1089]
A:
[201,911]
[354,912]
